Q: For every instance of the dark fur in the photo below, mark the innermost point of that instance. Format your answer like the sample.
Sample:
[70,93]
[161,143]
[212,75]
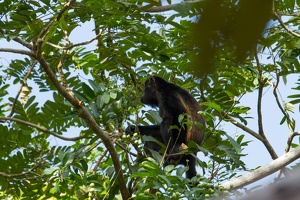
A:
[172,101]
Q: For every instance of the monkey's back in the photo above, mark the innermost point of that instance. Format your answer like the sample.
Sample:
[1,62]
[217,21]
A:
[179,101]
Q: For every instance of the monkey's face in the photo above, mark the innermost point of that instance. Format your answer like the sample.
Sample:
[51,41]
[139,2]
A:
[150,93]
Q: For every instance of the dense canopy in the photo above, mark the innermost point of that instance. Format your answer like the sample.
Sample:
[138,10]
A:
[72,74]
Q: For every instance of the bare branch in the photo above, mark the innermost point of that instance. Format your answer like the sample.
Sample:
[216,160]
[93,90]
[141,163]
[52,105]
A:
[101,158]
[287,149]
[99,161]
[18,51]
[42,129]
[262,82]
[285,27]
[264,171]
[276,97]
[289,142]
[60,66]
[22,173]
[126,150]
[260,93]
[20,41]
[241,126]
[75,45]
[24,43]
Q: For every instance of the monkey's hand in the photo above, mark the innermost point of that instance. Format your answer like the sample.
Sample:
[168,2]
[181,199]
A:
[130,130]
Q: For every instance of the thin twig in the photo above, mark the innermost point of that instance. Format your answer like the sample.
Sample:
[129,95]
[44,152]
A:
[277,99]
[22,85]
[60,66]
[289,142]
[75,45]
[99,161]
[126,150]
[23,173]
[241,126]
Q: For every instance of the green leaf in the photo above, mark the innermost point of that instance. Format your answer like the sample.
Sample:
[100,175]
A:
[189,85]
[229,152]
[88,91]
[181,170]
[100,102]
[29,101]
[105,97]
[69,158]
[113,95]
[213,105]
[152,139]
[235,145]
[142,174]
[156,155]
[94,109]
[150,165]
[94,85]
[50,171]
[164,178]
[63,24]
[155,118]
[81,96]
[294,96]
[84,165]
[181,117]
[169,168]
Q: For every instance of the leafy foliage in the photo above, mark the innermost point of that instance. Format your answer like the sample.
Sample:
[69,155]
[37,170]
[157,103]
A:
[106,79]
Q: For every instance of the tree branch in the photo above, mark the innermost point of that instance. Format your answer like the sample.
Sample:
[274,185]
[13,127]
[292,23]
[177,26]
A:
[264,171]
[18,51]
[285,27]
[42,129]
[290,122]
[20,41]
[83,113]
[75,45]
[260,93]
[241,126]
[262,82]
[22,173]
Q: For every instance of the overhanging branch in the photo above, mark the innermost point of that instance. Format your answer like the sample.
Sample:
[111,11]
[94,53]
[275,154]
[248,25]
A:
[18,51]
[42,129]
[263,171]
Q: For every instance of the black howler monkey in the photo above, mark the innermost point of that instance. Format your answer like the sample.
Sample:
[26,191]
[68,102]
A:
[172,102]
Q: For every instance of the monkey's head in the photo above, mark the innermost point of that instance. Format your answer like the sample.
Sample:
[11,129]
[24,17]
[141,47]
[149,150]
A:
[150,96]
